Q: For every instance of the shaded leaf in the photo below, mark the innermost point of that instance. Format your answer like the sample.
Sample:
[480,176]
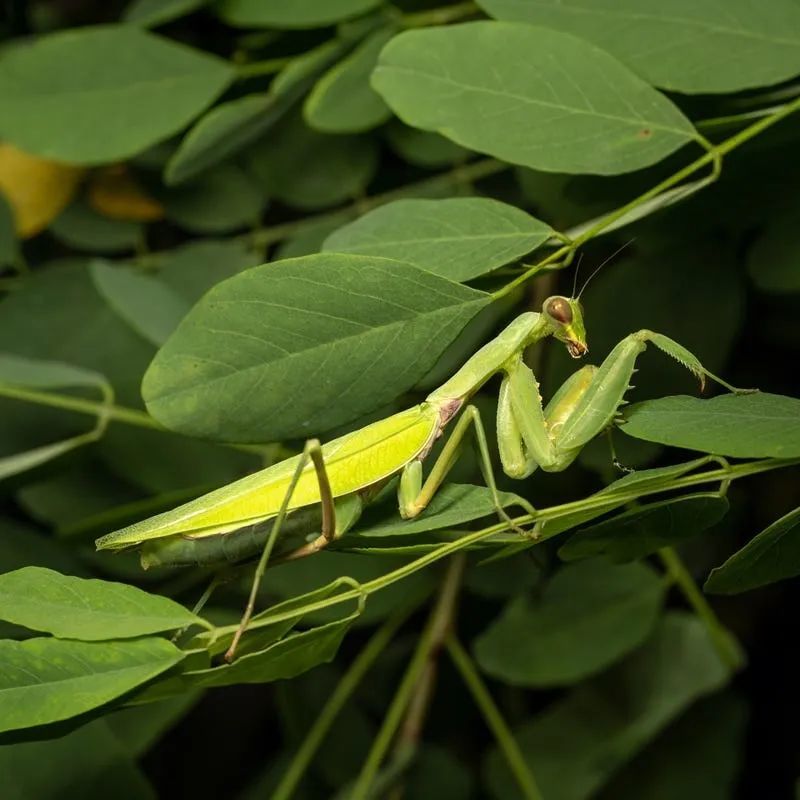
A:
[37,189]
[116,193]
[297,14]
[152,309]
[76,608]
[84,229]
[530,96]
[684,46]
[423,148]
[772,555]
[578,743]
[756,425]
[309,170]
[647,528]
[125,90]
[333,336]
[459,239]
[342,100]
[48,680]
[150,13]
[9,250]
[772,261]
[588,616]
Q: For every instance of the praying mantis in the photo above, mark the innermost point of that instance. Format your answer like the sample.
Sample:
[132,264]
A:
[321,492]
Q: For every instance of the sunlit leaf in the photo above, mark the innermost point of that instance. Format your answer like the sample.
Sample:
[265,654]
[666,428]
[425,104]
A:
[530,96]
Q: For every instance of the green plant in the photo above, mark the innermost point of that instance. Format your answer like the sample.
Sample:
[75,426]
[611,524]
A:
[410,178]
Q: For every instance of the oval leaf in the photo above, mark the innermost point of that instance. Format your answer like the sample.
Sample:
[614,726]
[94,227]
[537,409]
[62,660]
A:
[756,425]
[589,615]
[149,13]
[299,346]
[685,46]
[771,556]
[125,90]
[77,608]
[47,680]
[296,14]
[530,96]
[643,530]
[458,239]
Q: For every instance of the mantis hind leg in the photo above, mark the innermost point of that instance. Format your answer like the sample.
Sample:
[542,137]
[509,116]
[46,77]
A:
[312,451]
[414,495]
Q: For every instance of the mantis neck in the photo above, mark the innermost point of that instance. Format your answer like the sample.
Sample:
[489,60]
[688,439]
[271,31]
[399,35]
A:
[526,329]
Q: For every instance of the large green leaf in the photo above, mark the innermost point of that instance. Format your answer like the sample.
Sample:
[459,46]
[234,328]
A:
[296,14]
[579,742]
[771,556]
[152,309]
[459,239]
[48,680]
[90,763]
[125,90]
[342,101]
[644,530]
[300,346]
[588,616]
[531,96]
[77,608]
[683,45]
[755,425]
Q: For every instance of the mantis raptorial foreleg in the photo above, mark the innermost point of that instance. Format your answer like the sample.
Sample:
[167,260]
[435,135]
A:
[312,451]
[414,495]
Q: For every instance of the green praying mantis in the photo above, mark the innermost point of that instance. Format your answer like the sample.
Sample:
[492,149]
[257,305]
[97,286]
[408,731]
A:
[320,493]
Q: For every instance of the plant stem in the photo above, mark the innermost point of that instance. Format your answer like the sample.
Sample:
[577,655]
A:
[726,646]
[268,66]
[494,719]
[336,702]
[432,636]
[440,16]
[554,512]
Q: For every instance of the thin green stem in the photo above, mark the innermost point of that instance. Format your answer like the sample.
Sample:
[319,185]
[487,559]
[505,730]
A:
[440,16]
[336,702]
[596,501]
[726,646]
[255,69]
[435,632]
[494,719]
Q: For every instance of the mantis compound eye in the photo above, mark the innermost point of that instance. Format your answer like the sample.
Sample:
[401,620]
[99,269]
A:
[560,310]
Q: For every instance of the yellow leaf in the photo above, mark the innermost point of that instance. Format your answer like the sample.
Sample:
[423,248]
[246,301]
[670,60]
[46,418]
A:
[37,190]
[114,192]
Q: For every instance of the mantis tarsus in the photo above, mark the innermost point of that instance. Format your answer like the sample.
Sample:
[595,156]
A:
[320,493]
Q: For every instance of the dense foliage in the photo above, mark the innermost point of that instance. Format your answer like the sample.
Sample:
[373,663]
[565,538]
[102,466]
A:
[226,227]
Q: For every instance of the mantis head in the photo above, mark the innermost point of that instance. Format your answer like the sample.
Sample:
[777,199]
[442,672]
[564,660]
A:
[565,316]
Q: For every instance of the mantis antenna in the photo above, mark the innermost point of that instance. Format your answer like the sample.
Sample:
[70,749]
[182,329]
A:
[603,263]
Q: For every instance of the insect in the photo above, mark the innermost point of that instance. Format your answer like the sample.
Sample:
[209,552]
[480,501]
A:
[319,494]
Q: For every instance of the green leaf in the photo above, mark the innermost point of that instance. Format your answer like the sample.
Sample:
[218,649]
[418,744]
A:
[230,126]
[9,250]
[422,148]
[697,758]
[453,505]
[459,239]
[48,680]
[685,46]
[588,616]
[644,530]
[310,170]
[645,479]
[530,96]
[191,270]
[773,555]
[291,656]
[219,201]
[124,91]
[332,336]
[89,610]
[772,261]
[152,309]
[89,763]
[579,742]
[757,425]
[150,13]
[297,14]
[81,227]
[342,101]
